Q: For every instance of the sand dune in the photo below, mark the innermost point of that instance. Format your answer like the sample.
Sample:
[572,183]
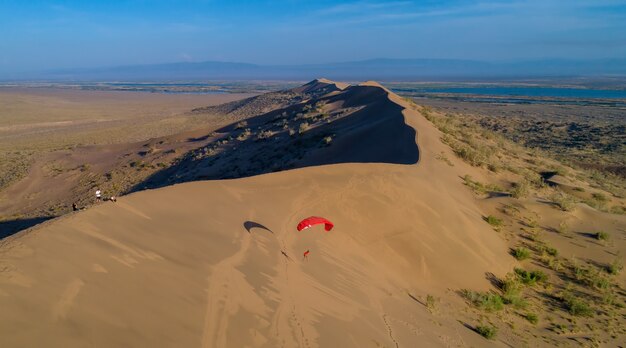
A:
[219,263]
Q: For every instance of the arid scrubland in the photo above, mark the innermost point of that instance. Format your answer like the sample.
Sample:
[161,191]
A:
[556,219]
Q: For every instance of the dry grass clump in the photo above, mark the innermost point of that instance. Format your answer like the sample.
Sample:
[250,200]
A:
[575,305]
[615,267]
[442,156]
[431,303]
[244,135]
[265,134]
[304,126]
[487,331]
[479,187]
[601,235]
[520,189]
[494,221]
[532,318]
[590,275]
[564,201]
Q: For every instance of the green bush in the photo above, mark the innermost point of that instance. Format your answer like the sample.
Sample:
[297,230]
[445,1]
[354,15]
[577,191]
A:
[512,292]
[487,301]
[551,251]
[602,235]
[531,277]
[493,221]
[532,318]
[487,331]
[431,302]
[576,306]
[521,253]
[615,267]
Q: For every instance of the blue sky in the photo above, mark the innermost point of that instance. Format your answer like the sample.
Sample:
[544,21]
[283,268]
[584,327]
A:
[36,35]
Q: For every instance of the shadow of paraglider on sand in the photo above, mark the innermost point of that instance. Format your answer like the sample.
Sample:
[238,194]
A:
[249,225]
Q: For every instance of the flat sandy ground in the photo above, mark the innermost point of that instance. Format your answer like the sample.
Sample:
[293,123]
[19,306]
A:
[48,118]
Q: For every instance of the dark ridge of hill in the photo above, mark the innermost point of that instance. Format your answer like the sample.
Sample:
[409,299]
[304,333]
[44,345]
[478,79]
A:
[316,124]
[267,102]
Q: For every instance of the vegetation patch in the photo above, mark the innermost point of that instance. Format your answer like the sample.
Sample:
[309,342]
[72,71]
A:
[531,278]
[521,253]
[487,331]
[532,318]
[493,221]
[576,306]
[488,301]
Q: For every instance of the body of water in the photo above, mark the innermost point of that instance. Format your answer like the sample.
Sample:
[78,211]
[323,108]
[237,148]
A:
[532,92]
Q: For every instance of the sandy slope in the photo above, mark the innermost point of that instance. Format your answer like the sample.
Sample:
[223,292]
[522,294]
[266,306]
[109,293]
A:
[186,266]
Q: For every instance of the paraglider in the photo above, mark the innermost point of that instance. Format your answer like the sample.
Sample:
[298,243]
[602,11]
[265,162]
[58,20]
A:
[314,220]
[310,222]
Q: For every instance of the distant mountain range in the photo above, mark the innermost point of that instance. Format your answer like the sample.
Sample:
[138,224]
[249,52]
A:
[373,69]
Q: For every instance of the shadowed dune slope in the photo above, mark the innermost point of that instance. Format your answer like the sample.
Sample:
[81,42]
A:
[219,263]
[355,124]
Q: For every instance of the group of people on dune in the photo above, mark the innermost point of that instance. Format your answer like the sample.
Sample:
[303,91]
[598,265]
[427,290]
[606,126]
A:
[98,199]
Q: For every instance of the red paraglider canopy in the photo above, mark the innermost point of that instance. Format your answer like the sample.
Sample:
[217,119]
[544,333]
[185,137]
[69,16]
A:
[315,220]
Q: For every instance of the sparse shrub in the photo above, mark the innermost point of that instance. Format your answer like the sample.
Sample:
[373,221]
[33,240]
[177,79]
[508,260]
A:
[292,132]
[510,210]
[579,189]
[618,209]
[562,229]
[564,201]
[327,140]
[520,189]
[532,318]
[487,331]
[241,125]
[600,197]
[550,250]
[531,277]
[266,134]
[576,306]
[531,222]
[615,267]
[521,253]
[555,264]
[469,155]
[494,221]
[244,135]
[487,301]
[476,186]
[304,126]
[493,167]
[431,302]
[591,276]
[601,235]
[85,167]
[512,292]
[444,158]
[534,178]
